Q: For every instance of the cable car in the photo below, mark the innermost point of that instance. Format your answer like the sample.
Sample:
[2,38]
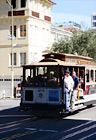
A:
[43,83]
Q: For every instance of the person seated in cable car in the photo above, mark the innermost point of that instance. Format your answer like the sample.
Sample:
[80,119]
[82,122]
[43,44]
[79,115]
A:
[29,80]
[39,80]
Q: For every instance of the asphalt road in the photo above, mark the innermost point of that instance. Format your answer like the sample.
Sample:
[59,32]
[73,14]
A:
[22,126]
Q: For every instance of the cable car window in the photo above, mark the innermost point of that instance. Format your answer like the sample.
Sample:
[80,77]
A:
[81,76]
[87,75]
[92,76]
[27,74]
[40,79]
[53,77]
[76,70]
[29,77]
[95,75]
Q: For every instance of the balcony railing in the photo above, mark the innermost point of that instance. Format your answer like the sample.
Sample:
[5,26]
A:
[35,14]
[25,12]
[47,18]
[17,13]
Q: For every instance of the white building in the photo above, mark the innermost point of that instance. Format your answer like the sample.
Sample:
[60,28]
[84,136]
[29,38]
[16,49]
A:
[32,25]
[93,20]
[58,33]
[33,35]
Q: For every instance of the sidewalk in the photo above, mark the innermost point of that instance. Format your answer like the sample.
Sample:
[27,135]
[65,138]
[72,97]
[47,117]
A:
[8,103]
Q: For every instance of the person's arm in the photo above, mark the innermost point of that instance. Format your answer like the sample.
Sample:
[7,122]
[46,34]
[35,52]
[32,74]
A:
[77,87]
[78,84]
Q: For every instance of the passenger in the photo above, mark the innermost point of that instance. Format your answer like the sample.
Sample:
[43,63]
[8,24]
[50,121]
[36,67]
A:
[39,80]
[68,88]
[75,89]
[91,79]
[55,74]
[28,79]
[53,80]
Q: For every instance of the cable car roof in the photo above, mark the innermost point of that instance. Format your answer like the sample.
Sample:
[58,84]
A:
[63,55]
[53,62]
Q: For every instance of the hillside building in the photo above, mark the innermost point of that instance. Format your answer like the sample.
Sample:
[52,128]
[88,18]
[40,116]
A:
[93,20]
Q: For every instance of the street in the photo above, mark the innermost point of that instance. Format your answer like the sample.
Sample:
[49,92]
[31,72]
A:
[21,125]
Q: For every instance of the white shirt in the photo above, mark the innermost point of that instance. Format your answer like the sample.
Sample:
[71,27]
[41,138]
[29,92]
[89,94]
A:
[68,81]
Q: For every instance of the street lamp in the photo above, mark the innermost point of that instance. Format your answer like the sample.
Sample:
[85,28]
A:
[12,74]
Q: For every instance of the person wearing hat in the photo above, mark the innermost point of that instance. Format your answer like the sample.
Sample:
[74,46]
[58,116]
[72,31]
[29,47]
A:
[68,88]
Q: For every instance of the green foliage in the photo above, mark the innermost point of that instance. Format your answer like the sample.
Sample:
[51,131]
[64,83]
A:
[61,46]
[60,25]
[82,43]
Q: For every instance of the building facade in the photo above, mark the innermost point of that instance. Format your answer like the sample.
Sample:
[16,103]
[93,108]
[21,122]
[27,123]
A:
[69,26]
[58,33]
[33,34]
[93,20]
[32,23]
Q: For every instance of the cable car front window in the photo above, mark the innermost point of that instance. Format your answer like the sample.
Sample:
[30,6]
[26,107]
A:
[46,77]
[53,77]
[40,78]
[29,80]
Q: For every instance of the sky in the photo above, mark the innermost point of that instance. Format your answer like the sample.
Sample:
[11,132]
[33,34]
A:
[78,11]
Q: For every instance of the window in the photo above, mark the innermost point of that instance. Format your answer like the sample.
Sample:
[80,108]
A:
[35,57]
[94,24]
[7,79]
[23,3]
[43,34]
[46,9]
[34,4]
[22,58]
[94,17]
[35,32]
[87,75]
[43,7]
[13,2]
[95,75]
[14,30]
[36,29]
[22,30]
[41,76]
[17,79]
[14,59]
[92,76]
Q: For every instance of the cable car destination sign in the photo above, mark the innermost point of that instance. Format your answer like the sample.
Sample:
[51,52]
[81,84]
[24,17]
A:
[86,63]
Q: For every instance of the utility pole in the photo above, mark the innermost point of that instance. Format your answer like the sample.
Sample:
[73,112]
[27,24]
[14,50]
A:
[12,73]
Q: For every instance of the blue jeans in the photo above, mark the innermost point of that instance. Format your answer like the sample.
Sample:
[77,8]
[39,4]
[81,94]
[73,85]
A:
[67,97]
